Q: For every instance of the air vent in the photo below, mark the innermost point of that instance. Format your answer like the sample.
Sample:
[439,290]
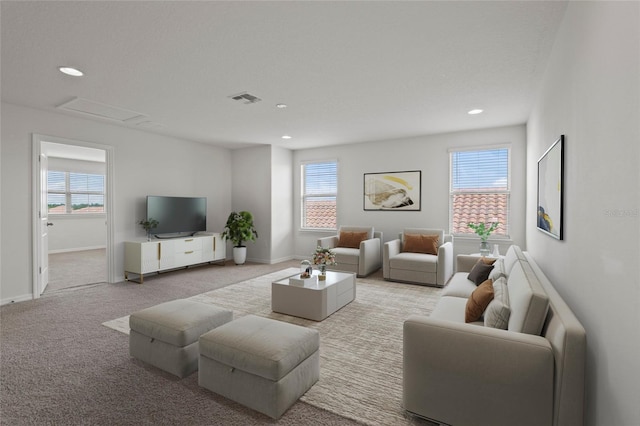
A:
[97,109]
[245,98]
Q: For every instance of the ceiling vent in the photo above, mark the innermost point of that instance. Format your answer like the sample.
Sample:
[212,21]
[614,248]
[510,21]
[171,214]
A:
[100,110]
[245,98]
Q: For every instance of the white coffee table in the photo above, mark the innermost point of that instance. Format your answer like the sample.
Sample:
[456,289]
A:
[314,301]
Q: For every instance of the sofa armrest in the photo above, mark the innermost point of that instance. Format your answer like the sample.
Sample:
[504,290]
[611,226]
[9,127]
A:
[465,262]
[369,257]
[499,377]
[445,263]
[391,248]
[328,242]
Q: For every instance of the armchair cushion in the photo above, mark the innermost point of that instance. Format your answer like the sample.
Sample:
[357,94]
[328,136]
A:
[350,239]
[421,243]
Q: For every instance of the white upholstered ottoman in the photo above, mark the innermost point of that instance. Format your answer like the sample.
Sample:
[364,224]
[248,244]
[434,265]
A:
[166,335]
[261,363]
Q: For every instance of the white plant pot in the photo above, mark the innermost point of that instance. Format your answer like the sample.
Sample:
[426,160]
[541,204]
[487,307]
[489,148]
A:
[239,255]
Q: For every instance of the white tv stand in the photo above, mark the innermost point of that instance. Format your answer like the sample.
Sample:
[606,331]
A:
[145,257]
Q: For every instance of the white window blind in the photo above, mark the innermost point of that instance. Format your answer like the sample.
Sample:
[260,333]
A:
[319,194]
[480,189]
[75,193]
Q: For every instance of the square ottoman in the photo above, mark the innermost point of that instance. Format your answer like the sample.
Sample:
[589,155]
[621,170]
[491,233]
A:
[166,335]
[261,363]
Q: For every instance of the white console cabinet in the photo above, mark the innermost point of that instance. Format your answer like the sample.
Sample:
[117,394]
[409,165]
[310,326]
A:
[144,257]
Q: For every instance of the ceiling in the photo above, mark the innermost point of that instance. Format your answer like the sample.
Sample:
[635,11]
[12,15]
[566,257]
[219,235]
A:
[348,71]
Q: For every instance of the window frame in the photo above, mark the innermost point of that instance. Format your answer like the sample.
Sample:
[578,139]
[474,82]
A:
[507,191]
[68,194]
[304,196]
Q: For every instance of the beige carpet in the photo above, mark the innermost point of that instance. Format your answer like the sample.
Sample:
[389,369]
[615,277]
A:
[360,345]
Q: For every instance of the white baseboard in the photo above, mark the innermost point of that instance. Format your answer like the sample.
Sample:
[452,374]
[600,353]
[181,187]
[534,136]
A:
[76,249]
[11,300]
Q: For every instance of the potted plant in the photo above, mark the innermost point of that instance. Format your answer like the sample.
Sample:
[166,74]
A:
[484,230]
[148,225]
[239,228]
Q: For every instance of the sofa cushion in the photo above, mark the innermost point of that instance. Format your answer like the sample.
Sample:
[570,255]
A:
[451,309]
[497,313]
[351,239]
[459,286]
[480,272]
[527,299]
[478,301]
[421,243]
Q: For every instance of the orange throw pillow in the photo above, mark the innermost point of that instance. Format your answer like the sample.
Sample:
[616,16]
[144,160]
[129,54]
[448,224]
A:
[420,243]
[351,239]
[478,301]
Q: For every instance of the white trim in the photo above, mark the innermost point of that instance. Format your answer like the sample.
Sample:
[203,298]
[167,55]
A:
[76,249]
[22,298]
[37,139]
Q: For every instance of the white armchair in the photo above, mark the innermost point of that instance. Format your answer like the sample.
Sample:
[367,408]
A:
[358,249]
[408,264]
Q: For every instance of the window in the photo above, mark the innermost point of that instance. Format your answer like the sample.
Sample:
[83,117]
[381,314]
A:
[319,194]
[74,193]
[480,189]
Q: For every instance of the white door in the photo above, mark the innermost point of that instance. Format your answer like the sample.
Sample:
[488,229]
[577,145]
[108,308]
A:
[43,269]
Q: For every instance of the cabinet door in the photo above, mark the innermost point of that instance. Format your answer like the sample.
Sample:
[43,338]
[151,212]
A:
[219,247]
[208,248]
[150,255]
[166,254]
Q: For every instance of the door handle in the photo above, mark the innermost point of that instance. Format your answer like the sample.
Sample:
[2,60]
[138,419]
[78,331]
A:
[49,224]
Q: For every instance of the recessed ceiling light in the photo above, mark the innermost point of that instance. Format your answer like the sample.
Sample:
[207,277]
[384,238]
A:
[286,137]
[71,71]
[281,106]
[475,111]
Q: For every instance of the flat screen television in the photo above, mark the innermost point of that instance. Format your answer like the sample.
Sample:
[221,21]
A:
[177,216]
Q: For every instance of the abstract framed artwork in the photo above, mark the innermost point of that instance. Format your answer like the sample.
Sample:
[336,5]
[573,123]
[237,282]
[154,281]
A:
[392,191]
[550,190]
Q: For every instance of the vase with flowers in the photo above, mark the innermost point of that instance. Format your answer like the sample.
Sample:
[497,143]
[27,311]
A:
[484,230]
[323,257]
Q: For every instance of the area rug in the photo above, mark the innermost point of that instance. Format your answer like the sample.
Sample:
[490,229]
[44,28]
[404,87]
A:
[360,345]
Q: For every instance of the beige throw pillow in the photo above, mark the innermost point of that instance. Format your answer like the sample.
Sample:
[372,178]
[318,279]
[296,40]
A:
[497,313]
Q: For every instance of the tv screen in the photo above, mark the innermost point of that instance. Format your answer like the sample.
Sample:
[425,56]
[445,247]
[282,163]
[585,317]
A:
[177,215]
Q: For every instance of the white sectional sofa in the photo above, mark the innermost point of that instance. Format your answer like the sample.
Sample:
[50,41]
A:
[529,372]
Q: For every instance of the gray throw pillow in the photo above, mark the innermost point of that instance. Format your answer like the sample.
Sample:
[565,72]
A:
[480,272]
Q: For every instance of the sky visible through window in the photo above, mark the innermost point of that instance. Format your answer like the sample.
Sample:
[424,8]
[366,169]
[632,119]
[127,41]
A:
[477,170]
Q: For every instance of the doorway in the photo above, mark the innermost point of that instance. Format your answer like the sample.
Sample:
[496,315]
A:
[72,214]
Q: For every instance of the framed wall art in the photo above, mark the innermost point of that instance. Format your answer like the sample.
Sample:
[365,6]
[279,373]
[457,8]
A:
[392,191]
[550,190]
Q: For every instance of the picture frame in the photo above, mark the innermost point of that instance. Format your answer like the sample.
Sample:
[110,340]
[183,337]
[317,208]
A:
[550,202]
[393,191]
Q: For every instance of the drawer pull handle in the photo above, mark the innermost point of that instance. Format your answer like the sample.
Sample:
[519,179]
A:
[188,252]
[189,240]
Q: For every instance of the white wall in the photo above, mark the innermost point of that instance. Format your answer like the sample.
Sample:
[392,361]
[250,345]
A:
[428,154]
[591,94]
[144,164]
[251,189]
[281,204]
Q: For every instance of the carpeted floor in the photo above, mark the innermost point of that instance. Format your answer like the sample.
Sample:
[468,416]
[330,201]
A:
[361,344]
[60,366]
[72,269]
